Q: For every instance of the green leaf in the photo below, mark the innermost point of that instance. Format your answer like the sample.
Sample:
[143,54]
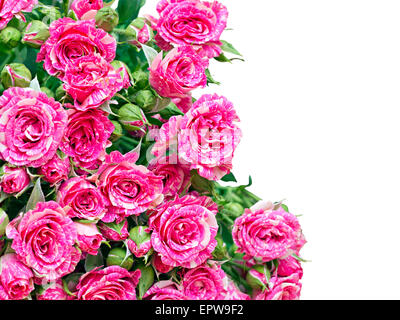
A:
[146,279]
[229,178]
[170,111]
[128,10]
[227,47]
[285,207]
[150,53]
[36,196]
[93,262]
[223,58]
[210,78]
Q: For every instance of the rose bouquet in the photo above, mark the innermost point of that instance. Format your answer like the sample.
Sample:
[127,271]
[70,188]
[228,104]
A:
[110,166]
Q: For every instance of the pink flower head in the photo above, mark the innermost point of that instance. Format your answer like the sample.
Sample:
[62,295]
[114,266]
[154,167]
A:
[86,9]
[159,265]
[187,200]
[113,231]
[288,266]
[56,170]
[53,291]
[164,290]
[31,127]
[206,282]
[14,180]
[91,81]
[183,233]
[139,242]
[89,237]
[206,137]
[176,177]
[192,22]
[15,278]
[183,103]
[129,188]
[268,235]
[81,199]
[281,288]
[44,240]
[180,72]
[14,8]
[112,283]
[86,136]
[70,40]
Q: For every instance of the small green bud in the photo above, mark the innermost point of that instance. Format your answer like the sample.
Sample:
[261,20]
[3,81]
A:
[233,210]
[117,257]
[10,37]
[107,19]
[220,252]
[15,75]
[50,12]
[36,34]
[258,276]
[139,235]
[145,99]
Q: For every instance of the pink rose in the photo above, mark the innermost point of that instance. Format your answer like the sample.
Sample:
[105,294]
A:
[14,180]
[11,8]
[164,290]
[86,9]
[183,103]
[176,177]
[56,170]
[112,283]
[31,127]
[206,282]
[113,231]
[16,278]
[91,81]
[180,72]
[82,199]
[44,240]
[184,234]
[86,136]
[281,288]
[205,138]
[130,189]
[192,22]
[187,200]
[70,40]
[288,266]
[268,235]
[89,237]
[53,291]
[159,265]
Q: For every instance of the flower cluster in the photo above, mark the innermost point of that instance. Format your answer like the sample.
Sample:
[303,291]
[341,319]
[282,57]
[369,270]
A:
[109,164]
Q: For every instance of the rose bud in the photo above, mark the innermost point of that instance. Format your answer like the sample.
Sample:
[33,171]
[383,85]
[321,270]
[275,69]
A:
[16,278]
[49,12]
[86,9]
[52,291]
[15,75]
[233,210]
[138,32]
[141,79]
[10,37]
[132,117]
[36,34]
[107,19]
[14,180]
[114,231]
[145,99]
[56,170]
[220,252]
[89,237]
[4,220]
[139,242]
[118,257]
[160,266]
[124,71]
[258,276]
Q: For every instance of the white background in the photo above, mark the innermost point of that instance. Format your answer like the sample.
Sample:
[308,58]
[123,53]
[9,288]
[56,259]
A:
[319,101]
